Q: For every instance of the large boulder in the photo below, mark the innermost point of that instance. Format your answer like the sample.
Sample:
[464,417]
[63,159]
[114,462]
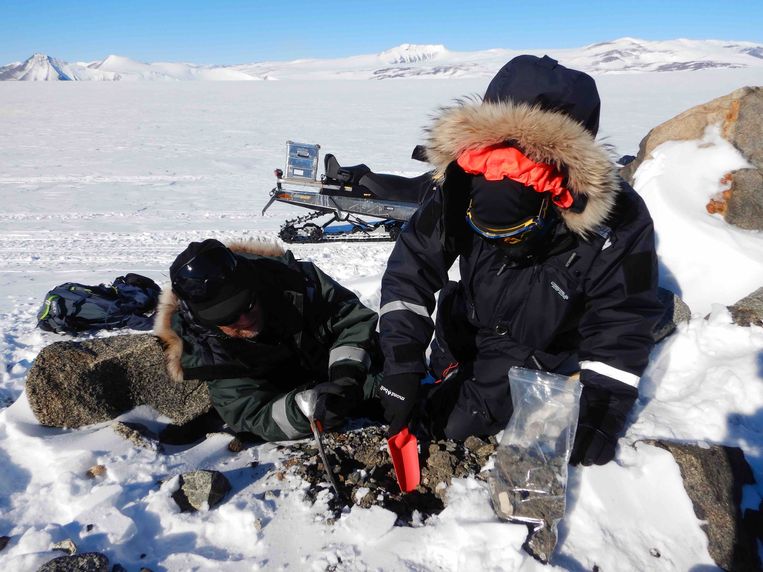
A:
[740,117]
[72,384]
[713,478]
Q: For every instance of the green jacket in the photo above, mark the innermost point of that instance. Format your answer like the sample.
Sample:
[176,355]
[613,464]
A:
[316,331]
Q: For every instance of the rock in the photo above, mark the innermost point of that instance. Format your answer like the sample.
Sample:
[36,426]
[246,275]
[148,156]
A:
[744,199]
[473,443]
[134,433]
[200,488]
[4,540]
[87,562]
[675,311]
[740,116]
[713,478]
[72,384]
[67,546]
[95,471]
[749,310]
[236,445]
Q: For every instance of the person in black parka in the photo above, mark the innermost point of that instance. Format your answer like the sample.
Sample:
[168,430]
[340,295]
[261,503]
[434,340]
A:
[558,270]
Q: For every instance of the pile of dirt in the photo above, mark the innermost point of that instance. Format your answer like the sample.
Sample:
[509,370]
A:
[365,476]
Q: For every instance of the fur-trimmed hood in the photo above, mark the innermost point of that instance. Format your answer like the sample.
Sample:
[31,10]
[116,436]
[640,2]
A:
[169,304]
[544,136]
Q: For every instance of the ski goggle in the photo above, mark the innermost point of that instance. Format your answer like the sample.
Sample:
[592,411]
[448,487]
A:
[203,276]
[510,235]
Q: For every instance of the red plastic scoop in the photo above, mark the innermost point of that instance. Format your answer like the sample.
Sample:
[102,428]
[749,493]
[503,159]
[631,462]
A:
[404,450]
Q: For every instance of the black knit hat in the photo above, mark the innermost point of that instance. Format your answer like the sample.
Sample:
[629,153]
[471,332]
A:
[209,278]
[501,204]
[543,82]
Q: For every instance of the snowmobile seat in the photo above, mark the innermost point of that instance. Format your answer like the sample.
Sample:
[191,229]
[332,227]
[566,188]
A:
[339,175]
[396,188]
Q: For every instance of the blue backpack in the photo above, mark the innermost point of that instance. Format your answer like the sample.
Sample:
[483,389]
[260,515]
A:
[72,308]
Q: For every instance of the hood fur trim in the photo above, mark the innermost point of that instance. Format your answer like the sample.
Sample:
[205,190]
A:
[544,136]
[173,345]
[169,304]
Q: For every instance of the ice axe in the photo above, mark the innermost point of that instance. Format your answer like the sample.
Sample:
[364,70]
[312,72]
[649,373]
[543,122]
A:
[404,450]
[306,401]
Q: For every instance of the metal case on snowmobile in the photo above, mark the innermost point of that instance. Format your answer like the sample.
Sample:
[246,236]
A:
[302,160]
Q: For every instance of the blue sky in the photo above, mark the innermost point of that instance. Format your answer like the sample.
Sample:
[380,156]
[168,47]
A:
[236,31]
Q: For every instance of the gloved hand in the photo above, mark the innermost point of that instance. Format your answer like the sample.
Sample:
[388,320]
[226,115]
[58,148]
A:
[602,418]
[398,395]
[336,400]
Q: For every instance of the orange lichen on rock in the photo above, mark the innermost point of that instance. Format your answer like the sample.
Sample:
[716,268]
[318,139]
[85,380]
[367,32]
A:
[731,117]
[719,205]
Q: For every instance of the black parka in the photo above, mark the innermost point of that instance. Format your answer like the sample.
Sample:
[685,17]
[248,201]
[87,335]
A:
[589,303]
[317,330]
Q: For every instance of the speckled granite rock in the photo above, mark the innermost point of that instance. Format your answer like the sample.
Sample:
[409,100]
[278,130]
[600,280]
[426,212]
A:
[713,478]
[72,384]
[87,562]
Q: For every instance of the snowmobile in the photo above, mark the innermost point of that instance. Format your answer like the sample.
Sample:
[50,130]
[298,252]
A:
[344,194]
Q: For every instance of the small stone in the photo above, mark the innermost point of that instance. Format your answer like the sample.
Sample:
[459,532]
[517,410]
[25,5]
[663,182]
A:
[4,540]
[200,488]
[89,527]
[473,443]
[67,546]
[85,562]
[236,445]
[654,552]
[279,475]
[95,471]
[133,435]
[485,451]
[258,524]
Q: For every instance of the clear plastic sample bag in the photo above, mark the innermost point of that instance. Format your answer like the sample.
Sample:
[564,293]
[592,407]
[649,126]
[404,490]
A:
[529,479]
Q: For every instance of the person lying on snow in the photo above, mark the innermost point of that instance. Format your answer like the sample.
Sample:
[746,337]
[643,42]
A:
[557,262]
[259,327]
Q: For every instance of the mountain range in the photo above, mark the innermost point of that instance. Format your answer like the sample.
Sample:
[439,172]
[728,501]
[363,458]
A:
[625,55]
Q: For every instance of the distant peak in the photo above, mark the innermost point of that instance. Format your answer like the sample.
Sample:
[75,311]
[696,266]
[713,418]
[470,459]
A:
[408,53]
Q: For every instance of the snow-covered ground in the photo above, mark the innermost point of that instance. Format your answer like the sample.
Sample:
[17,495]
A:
[100,179]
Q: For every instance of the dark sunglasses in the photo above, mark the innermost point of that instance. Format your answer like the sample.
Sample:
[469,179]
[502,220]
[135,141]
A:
[203,275]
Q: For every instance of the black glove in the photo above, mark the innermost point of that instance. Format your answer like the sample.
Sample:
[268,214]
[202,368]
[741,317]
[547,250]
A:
[602,418]
[398,395]
[336,400]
